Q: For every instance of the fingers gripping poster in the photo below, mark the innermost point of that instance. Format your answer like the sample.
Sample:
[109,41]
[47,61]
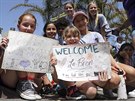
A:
[82,62]
[27,52]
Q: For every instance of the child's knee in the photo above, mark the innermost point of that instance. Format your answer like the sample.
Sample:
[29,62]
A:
[113,82]
[91,92]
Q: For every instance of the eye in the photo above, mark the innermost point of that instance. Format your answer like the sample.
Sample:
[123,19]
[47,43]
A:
[25,24]
[53,29]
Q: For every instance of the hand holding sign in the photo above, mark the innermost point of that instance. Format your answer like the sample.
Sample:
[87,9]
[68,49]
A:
[82,62]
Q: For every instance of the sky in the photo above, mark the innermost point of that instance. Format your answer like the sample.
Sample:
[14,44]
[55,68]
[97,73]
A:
[9,19]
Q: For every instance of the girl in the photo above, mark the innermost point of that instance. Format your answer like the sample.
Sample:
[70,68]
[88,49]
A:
[75,90]
[97,22]
[23,80]
[80,20]
[69,9]
[50,30]
[125,54]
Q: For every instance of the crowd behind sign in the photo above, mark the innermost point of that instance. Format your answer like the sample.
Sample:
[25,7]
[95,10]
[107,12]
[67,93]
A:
[82,62]
[28,52]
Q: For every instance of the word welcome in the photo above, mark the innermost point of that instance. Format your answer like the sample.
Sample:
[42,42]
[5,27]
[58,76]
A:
[77,50]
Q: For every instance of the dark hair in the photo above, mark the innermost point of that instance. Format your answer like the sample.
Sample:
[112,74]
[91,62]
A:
[62,22]
[21,17]
[69,2]
[125,45]
[45,26]
[118,56]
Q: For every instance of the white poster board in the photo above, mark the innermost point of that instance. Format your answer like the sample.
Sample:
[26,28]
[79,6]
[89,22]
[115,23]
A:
[28,52]
[82,62]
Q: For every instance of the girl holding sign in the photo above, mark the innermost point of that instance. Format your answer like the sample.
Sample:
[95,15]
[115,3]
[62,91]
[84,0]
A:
[80,20]
[79,89]
[25,81]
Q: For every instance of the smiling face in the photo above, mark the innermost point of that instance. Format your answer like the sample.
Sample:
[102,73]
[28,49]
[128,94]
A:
[92,9]
[71,35]
[27,24]
[51,31]
[72,38]
[81,22]
[69,9]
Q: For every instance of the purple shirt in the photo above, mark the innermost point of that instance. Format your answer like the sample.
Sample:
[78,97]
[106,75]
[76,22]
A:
[129,6]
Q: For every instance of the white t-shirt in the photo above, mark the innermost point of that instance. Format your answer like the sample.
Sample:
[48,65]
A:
[92,37]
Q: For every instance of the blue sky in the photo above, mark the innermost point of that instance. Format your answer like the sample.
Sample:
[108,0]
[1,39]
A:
[9,19]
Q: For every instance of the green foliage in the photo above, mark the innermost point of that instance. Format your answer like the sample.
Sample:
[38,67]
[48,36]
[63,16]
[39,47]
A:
[52,10]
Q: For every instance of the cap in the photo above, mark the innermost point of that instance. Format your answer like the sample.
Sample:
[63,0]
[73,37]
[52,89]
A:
[79,13]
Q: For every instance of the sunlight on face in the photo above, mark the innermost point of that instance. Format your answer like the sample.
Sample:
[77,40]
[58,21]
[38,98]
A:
[51,31]
[93,9]
[27,24]
[81,22]
[72,38]
[69,9]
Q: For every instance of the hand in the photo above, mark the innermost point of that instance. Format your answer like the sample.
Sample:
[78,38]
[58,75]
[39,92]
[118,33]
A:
[103,76]
[53,59]
[46,81]
[4,42]
[117,69]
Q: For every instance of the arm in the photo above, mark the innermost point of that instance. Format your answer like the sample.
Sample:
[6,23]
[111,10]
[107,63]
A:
[3,45]
[53,62]
[104,25]
[123,26]
[115,65]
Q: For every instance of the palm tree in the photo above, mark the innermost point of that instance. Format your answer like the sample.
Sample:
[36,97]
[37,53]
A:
[113,14]
[52,10]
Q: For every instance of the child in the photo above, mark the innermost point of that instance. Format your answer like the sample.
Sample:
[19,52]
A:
[23,80]
[69,9]
[77,90]
[98,22]
[61,24]
[125,54]
[50,30]
[80,20]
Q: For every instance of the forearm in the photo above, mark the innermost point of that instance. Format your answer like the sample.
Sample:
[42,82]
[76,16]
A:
[124,25]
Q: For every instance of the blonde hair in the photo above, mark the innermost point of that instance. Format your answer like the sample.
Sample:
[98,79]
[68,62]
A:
[90,17]
[72,29]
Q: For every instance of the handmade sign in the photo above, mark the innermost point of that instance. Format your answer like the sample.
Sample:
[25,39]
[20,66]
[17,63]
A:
[82,62]
[28,52]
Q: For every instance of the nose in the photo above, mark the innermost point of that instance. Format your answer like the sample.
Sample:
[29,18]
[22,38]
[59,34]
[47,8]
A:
[28,28]
[72,37]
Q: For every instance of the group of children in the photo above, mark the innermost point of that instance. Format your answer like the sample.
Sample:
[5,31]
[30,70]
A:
[79,28]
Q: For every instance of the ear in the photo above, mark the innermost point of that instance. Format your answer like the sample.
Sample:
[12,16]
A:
[87,21]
